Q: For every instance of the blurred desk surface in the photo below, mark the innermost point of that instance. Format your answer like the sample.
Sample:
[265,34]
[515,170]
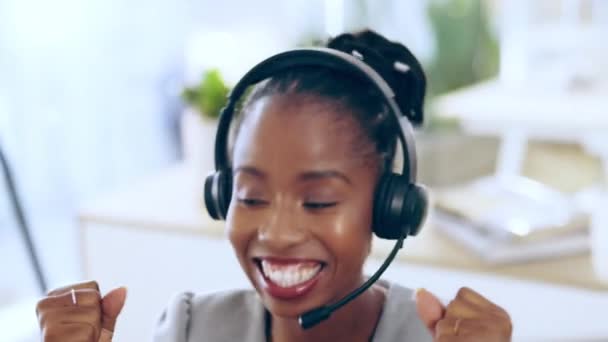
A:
[542,112]
[172,202]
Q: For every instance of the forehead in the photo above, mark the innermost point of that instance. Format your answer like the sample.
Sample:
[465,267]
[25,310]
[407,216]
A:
[294,133]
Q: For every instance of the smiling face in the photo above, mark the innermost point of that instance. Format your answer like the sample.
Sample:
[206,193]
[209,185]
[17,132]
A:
[301,210]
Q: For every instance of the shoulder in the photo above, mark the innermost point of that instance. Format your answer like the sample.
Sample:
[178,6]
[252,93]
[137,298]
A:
[399,320]
[211,317]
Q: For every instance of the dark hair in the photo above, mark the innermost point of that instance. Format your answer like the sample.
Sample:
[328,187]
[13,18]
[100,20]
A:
[376,138]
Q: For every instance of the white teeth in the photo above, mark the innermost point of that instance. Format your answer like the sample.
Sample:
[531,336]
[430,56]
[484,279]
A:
[289,275]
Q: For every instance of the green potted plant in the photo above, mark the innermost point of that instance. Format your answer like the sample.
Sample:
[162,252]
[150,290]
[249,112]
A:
[204,101]
[209,96]
[466,53]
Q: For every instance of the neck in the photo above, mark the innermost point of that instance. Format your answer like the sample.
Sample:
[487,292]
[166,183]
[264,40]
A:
[356,321]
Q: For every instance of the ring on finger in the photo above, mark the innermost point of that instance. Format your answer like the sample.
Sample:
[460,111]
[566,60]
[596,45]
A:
[457,326]
[74,297]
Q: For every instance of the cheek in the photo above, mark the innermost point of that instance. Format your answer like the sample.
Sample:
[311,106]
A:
[239,233]
[349,236]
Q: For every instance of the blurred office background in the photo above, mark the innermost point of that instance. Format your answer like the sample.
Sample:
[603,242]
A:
[96,126]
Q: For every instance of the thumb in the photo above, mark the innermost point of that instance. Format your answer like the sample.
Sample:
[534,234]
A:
[430,310]
[111,305]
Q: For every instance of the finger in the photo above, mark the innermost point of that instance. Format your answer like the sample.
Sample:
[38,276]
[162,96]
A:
[446,338]
[84,297]
[70,315]
[92,285]
[474,297]
[430,310]
[106,336]
[459,308]
[470,330]
[69,332]
[111,306]
[449,326]
[481,302]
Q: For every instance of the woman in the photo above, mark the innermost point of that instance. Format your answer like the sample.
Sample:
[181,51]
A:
[310,147]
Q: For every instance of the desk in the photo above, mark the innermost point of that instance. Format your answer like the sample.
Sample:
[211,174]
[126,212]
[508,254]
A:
[155,238]
[172,201]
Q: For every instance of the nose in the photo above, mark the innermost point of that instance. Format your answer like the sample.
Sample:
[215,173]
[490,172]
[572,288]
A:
[281,230]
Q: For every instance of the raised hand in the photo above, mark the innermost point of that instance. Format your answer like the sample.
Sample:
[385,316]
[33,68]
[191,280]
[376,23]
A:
[468,317]
[78,313]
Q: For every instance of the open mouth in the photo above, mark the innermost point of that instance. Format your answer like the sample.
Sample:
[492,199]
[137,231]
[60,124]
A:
[291,278]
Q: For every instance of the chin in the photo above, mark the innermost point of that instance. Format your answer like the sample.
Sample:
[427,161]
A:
[286,310]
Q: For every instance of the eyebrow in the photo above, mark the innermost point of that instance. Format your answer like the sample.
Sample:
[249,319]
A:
[316,175]
[305,176]
[250,170]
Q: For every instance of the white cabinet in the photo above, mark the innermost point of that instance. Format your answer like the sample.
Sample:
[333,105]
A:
[154,266]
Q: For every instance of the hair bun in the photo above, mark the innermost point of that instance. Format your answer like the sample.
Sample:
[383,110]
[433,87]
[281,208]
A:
[394,62]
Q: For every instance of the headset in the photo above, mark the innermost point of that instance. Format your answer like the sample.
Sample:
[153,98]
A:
[400,204]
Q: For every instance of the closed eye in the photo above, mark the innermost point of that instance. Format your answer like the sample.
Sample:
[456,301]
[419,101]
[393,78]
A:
[252,202]
[319,205]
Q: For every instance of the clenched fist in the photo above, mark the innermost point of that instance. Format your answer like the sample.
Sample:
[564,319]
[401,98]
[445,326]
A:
[468,317]
[78,313]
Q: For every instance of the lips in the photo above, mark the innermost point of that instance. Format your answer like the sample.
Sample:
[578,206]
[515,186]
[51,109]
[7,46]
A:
[288,278]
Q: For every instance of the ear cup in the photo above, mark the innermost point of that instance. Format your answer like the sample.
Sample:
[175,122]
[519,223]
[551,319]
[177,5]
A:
[418,200]
[211,196]
[218,191]
[225,191]
[399,207]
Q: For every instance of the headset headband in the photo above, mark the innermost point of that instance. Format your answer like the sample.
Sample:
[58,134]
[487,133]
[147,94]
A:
[322,57]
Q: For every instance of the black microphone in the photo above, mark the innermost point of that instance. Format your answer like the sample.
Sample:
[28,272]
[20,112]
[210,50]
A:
[313,317]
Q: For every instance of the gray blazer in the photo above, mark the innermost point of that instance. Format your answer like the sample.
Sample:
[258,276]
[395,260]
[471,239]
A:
[238,316]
